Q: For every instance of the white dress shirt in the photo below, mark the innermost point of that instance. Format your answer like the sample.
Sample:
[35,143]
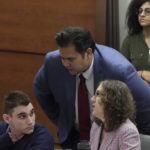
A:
[89,76]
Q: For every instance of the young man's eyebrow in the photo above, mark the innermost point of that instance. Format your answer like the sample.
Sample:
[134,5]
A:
[22,113]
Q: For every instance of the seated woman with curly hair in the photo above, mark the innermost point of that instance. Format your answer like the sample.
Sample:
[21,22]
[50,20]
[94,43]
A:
[114,121]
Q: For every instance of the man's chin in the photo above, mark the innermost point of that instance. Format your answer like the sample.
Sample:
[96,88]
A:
[72,72]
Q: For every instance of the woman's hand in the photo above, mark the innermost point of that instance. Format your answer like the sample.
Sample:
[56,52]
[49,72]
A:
[145,75]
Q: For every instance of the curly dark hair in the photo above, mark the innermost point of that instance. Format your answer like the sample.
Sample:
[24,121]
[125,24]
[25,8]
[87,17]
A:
[132,17]
[80,37]
[118,103]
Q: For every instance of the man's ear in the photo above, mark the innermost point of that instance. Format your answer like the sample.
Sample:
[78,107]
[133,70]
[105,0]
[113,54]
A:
[6,118]
[89,51]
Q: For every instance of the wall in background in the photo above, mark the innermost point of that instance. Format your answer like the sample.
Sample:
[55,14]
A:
[123,5]
[27,30]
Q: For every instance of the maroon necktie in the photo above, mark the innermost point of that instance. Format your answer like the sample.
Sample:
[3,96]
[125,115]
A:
[83,110]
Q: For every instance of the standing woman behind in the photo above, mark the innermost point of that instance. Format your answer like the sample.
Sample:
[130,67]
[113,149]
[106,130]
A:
[136,46]
[113,110]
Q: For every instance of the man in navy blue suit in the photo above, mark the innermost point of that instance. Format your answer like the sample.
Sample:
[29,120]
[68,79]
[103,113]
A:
[56,83]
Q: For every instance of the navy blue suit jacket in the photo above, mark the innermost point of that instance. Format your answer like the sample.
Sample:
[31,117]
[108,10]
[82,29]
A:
[55,88]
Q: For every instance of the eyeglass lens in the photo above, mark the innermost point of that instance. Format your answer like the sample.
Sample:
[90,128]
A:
[146,11]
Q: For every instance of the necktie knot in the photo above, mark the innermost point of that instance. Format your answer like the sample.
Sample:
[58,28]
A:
[82,79]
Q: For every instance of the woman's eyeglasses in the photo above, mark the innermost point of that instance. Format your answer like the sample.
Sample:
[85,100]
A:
[146,11]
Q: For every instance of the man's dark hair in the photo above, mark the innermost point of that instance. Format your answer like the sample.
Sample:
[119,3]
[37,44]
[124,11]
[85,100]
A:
[78,36]
[132,17]
[14,99]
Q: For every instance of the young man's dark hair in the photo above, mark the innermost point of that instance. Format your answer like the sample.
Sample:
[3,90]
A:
[14,99]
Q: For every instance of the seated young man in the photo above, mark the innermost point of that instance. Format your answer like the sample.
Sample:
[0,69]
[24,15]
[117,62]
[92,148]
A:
[19,131]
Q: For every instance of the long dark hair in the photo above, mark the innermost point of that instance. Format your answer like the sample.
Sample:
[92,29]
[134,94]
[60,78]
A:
[132,16]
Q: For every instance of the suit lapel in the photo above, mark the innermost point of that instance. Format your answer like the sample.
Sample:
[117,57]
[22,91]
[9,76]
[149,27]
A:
[71,92]
[107,140]
[97,68]
[96,138]
[68,99]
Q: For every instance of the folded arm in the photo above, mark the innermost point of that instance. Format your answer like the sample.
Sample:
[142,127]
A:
[145,75]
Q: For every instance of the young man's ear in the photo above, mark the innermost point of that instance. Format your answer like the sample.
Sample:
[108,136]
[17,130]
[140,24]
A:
[6,118]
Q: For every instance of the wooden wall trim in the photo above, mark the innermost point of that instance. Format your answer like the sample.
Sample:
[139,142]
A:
[100,21]
[22,52]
